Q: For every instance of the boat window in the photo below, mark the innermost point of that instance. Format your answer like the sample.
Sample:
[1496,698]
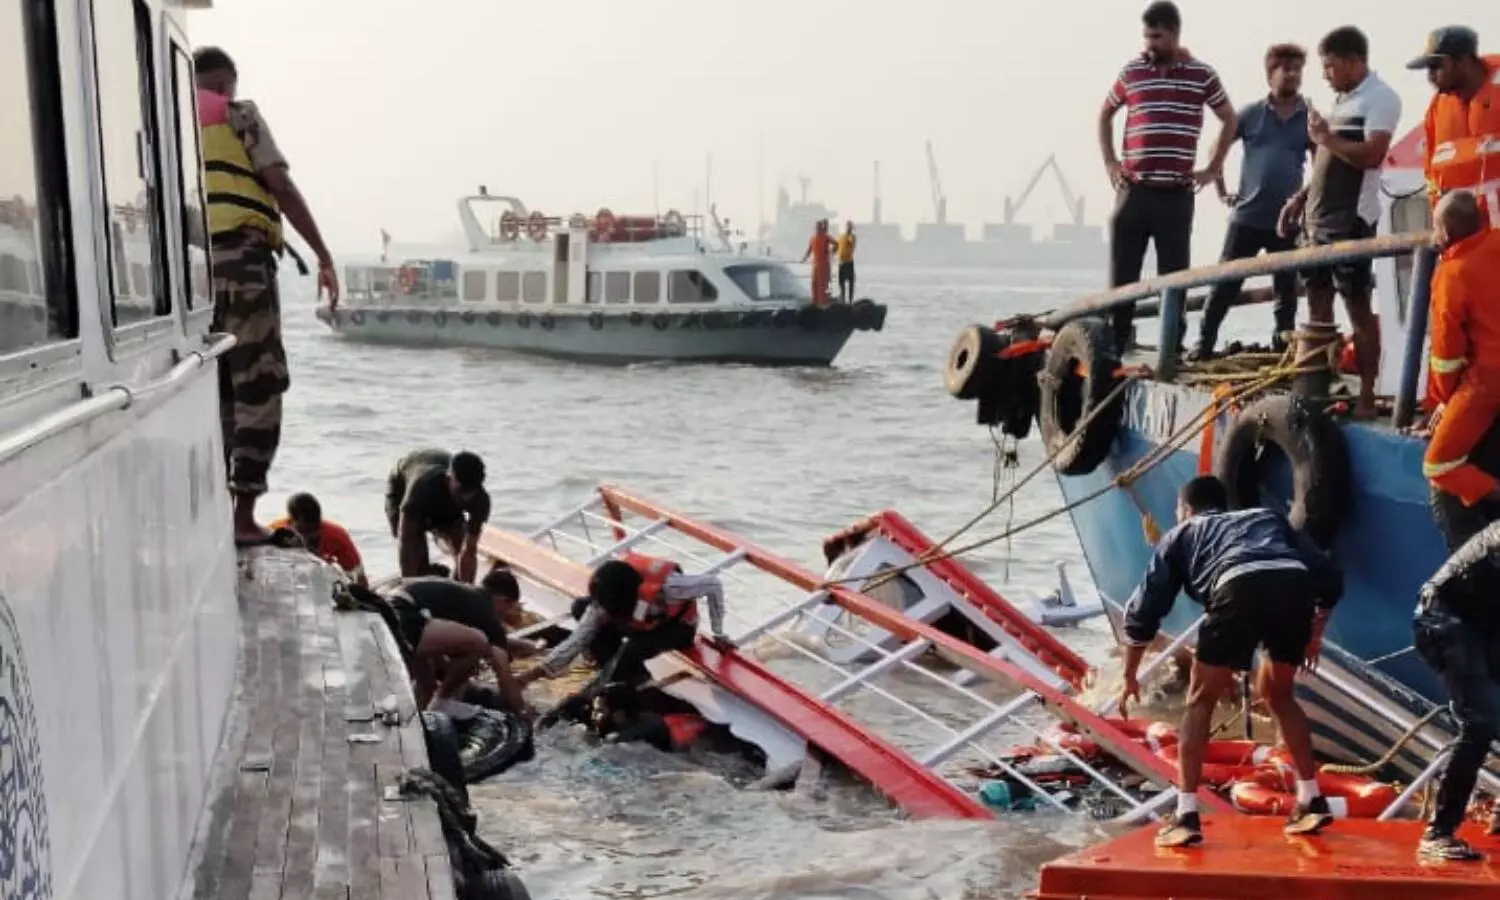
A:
[534,287]
[129,144]
[767,281]
[647,287]
[474,284]
[689,286]
[616,287]
[190,182]
[38,298]
[595,288]
[508,286]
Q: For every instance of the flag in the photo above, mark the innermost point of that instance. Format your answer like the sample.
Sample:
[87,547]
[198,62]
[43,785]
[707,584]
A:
[385,243]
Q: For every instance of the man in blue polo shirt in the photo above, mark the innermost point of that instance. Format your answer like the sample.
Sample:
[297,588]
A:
[1273,131]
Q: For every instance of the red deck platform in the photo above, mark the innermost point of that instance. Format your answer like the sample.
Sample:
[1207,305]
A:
[1248,858]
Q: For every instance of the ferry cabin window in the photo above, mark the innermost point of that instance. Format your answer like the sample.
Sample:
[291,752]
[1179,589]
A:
[122,52]
[616,287]
[38,299]
[190,182]
[689,286]
[534,287]
[475,284]
[508,286]
[647,287]
[762,281]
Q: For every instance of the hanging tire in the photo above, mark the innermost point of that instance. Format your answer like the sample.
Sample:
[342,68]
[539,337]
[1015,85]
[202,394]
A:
[467,317]
[810,317]
[382,317]
[524,320]
[440,319]
[596,321]
[692,320]
[784,318]
[661,321]
[838,317]
[443,751]
[1080,372]
[636,318]
[414,317]
[1314,449]
[713,321]
[546,321]
[357,317]
[866,314]
[974,366]
[494,319]
[492,742]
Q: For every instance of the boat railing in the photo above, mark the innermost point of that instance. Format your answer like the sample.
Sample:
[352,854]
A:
[1172,293]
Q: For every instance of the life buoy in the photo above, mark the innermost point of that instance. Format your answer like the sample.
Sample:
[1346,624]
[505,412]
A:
[1311,443]
[523,319]
[674,223]
[546,321]
[1271,792]
[406,280]
[510,225]
[604,224]
[536,226]
[1225,762]
[440,319]
[494,319]
[357,317]
[1080,373]
[596,321]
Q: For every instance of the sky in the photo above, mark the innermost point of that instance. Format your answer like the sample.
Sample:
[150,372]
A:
[389,111]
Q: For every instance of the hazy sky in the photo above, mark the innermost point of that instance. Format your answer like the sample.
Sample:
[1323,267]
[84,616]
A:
[389,110]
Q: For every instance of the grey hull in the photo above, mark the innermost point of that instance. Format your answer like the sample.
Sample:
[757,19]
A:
[602,338]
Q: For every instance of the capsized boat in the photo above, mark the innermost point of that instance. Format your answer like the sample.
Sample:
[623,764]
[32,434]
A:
[606,288]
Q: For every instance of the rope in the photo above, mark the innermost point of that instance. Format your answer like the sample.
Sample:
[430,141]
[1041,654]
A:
[1385,759]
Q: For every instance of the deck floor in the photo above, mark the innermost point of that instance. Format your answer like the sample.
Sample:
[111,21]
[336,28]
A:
[300,809]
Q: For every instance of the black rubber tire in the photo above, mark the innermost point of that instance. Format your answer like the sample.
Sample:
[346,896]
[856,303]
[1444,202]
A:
[546,321]
[838,317]
[661,321]
[494,319]
[596,321]
[493,742]
[973,366]
[865,315]
[442,751]
[713,321]
[440,319]
[524,319]
[382,317]
[1067,397]
[503,884]
[414,317]
[467,317]
[1314,447]
[810,318]
[636,318]
[357,317]
[784,318]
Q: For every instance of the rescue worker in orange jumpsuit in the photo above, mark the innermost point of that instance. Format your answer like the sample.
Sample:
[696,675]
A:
[820,251]
[638,607]
[1464,369]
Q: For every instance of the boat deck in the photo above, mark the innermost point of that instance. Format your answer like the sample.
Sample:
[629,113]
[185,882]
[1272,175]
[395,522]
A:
[300,785]
[1248,858]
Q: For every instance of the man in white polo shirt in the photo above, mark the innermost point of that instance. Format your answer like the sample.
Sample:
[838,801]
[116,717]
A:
[1341,201]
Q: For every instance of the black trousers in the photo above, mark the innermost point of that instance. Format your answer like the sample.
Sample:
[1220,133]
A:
[640,646]
[846,281]
[1467,659]
[1243,242]
[1147,215]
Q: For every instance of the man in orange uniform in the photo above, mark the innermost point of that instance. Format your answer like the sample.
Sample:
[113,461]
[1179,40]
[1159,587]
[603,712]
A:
[820,251]
[1465,364]
[1462,127]
[304,515]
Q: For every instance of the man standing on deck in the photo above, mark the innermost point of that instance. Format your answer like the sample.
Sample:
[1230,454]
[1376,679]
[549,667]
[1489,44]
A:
[1262,584]
[1342,201]
[432,491]
[844,249]
[1274,133]
[820,252]
[1163,92]
[1457,631]
[248,189]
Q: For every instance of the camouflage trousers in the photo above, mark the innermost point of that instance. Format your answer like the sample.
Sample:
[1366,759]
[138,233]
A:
[253,375]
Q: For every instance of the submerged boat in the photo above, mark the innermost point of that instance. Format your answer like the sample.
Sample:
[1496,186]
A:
[606,288]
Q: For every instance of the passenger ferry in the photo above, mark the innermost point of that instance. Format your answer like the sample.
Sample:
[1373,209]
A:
[605,288]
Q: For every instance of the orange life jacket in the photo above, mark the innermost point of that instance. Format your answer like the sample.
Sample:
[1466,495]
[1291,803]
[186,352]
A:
[1463,143]
[684,728]
[652,608]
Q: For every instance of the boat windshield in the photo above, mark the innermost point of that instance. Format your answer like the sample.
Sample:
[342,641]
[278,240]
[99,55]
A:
[768,281]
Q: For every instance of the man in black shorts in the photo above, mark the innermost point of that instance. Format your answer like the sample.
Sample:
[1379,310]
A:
[455,627]
[432,491]
[1263,585]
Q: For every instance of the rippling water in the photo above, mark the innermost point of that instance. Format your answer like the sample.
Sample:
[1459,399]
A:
[784,457]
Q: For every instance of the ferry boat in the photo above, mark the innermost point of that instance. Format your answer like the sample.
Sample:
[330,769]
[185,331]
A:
[1357,487]
[606,288]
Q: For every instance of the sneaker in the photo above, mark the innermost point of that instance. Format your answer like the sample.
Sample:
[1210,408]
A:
[1184,830]
[1446,847]
[1309,818]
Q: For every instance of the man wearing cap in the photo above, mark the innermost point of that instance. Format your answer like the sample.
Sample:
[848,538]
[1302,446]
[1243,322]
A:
[1462,127]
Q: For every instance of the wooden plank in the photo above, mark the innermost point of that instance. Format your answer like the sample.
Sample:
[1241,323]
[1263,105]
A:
[302,826]
[439,876]
[334,799]
[403,879]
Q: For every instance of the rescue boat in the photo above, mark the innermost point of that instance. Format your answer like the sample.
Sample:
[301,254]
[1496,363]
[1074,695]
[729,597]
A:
[601,288]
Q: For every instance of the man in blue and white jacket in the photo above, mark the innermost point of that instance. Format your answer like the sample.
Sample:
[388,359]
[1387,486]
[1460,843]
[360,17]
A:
[1262,584]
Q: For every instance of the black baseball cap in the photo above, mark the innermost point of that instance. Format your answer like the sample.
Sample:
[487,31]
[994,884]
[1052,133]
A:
[1450,42]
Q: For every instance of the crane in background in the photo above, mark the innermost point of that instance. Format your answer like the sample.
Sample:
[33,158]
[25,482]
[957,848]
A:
[875,218]
[939,200]
[1013,208]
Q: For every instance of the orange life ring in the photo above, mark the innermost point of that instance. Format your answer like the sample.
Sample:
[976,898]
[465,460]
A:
[1229,761]
[604,223]
[1152,735]
[406,280]
[674,223]
[536,226]
[510,225]
[1270,792]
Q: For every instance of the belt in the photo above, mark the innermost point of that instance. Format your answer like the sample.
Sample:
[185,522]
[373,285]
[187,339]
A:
[1264,565]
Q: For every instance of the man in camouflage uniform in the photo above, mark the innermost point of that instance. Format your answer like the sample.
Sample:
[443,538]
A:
[249,188]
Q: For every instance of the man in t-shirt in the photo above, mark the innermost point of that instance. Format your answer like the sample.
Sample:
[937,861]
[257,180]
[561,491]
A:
[329,540]
[1342,200]
[431,491]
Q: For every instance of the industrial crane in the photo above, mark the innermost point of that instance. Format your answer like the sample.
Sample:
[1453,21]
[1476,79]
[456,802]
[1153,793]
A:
[876,217]
[939,201]
[1075,203]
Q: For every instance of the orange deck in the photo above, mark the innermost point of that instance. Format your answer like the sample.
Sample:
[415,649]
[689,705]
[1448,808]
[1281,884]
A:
[1248,858]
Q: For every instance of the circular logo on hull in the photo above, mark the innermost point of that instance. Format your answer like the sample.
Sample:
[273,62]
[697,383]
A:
[25,853]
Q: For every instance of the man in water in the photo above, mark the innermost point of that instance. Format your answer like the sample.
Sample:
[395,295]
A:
[1262,584]
[432,491]
[249,188]
[328,540]
[638,607]
[454,628]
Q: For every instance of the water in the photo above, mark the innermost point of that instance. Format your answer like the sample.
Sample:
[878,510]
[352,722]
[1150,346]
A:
[785,457]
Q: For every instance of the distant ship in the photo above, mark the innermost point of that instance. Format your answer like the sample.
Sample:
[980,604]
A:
[1074,247]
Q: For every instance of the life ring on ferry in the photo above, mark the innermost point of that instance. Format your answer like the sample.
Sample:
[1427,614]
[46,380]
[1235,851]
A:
[604,224]
[1225,762]
[674,224]
[440,319]
[1312,445]
[1271,792]
[546,321]
[596,321]
[510,225]
[661,321]
[536,226]
[1080,373]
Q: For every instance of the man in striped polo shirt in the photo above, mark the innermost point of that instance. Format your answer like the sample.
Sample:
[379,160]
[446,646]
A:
[1163,92]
